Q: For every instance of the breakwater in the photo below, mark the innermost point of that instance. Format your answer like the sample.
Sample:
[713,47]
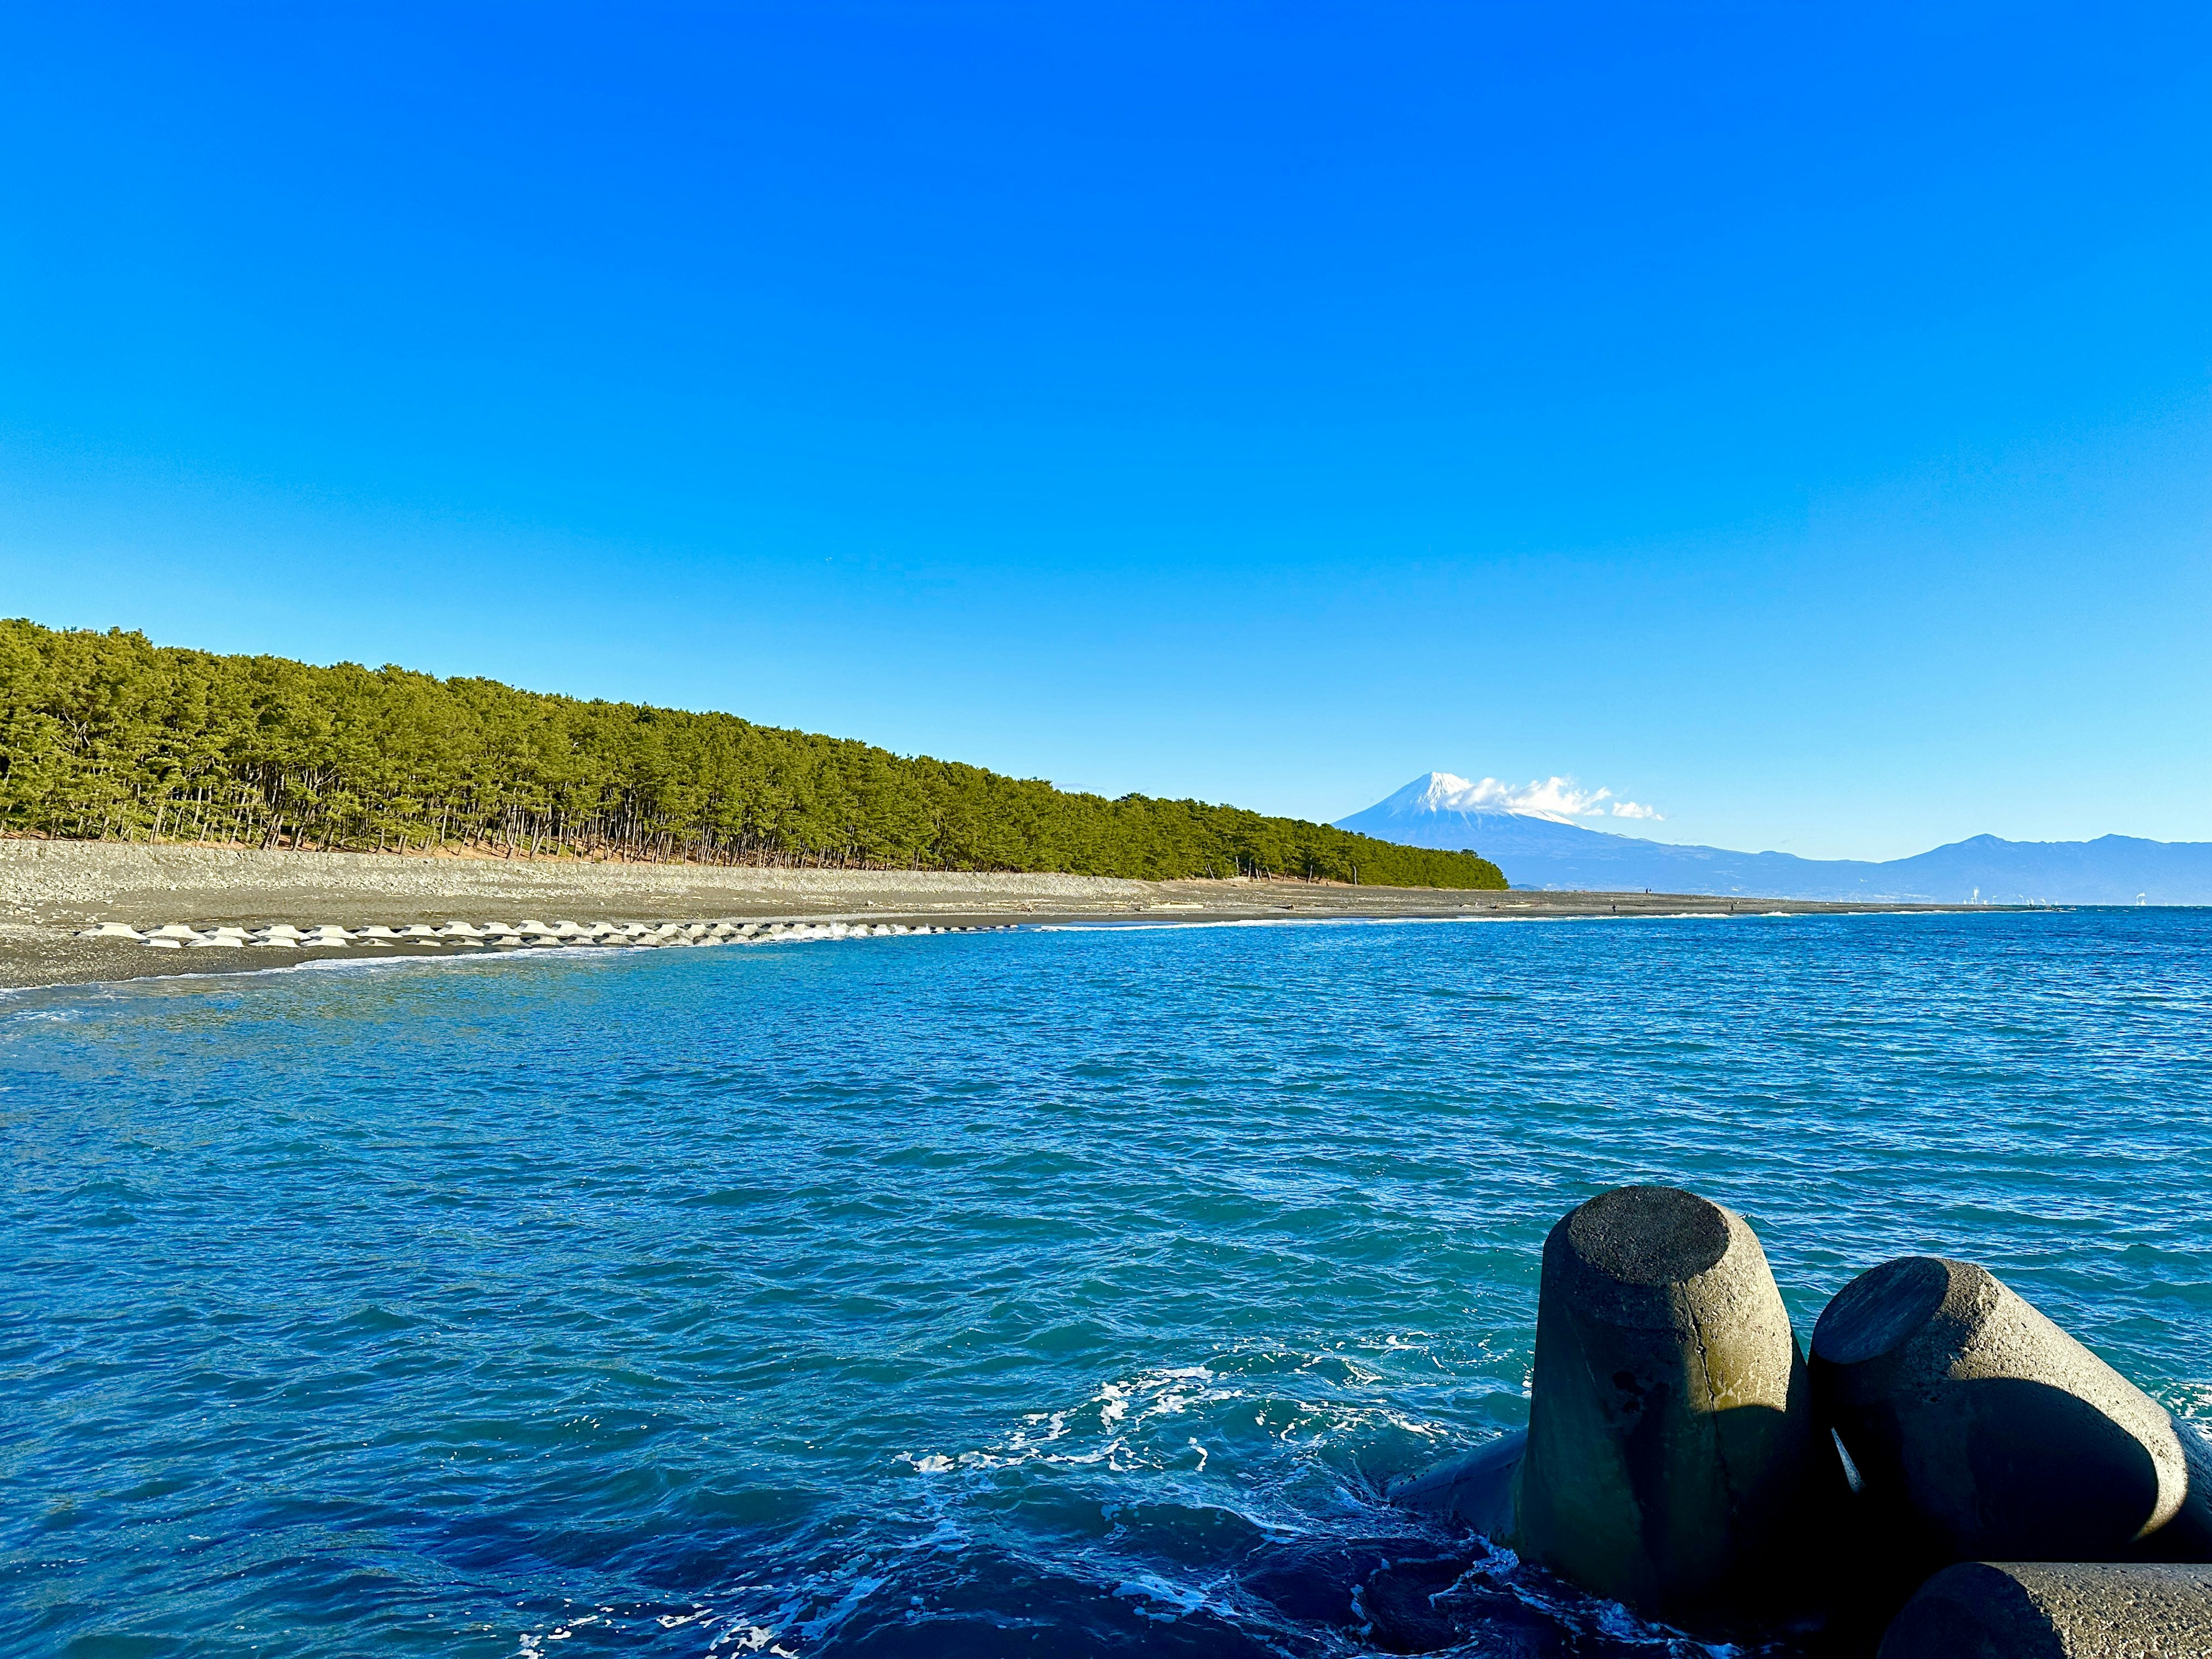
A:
[500,935]
[1953,1465]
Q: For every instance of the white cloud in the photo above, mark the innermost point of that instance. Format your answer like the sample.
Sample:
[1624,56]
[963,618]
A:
[1560,800]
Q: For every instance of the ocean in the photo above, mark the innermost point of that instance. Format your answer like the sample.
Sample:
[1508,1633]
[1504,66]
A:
[1056,1291]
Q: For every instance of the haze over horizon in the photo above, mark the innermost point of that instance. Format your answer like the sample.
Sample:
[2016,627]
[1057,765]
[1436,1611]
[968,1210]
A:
[1798,426]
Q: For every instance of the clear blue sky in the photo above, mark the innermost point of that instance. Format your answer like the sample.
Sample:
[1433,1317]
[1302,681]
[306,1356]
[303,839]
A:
[1796,417]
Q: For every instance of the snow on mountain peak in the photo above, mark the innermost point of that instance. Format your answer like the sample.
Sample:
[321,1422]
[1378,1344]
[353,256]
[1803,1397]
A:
[1440,789]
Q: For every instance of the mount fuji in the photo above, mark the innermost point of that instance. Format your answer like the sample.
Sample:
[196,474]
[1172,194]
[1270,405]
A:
[1542,848]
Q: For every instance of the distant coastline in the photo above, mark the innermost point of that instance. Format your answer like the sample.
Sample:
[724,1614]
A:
[50,890]
[1540,850]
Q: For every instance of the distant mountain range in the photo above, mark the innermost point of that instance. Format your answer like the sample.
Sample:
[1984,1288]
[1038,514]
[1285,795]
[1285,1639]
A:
[1538,850]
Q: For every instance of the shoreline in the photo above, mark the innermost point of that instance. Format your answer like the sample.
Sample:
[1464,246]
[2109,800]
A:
[50,890]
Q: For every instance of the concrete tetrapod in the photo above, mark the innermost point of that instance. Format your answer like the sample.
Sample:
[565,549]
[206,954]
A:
[2056,1610]
[1982,1431]
[1672,1462]
[1478,1489]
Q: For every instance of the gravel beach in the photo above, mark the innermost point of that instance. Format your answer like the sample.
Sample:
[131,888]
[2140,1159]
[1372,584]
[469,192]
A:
[49,891]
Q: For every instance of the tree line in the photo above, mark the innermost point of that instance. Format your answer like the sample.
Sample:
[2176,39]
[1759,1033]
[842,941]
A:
[108,737]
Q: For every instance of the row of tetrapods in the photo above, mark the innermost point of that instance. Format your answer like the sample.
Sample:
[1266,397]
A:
[174,936]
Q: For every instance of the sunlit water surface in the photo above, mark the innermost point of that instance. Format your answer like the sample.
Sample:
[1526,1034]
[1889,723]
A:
[1065,1293]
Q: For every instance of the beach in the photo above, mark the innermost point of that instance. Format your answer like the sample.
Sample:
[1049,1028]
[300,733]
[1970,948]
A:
[50,891]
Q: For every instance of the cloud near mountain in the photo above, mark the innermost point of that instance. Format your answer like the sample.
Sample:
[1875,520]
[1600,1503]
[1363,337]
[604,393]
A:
[1562,801]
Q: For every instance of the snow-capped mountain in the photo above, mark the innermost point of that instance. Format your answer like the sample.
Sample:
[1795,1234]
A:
[1537,845]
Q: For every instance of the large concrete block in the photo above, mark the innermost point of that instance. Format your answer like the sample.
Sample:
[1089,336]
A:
[1672,1462]
[2056,1610]
[1478,1489]
[1982,1431]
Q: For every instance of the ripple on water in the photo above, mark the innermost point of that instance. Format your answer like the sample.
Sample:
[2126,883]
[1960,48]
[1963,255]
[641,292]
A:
[1059,1291]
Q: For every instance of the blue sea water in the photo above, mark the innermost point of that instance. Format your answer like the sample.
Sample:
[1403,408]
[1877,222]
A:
[1053,1292]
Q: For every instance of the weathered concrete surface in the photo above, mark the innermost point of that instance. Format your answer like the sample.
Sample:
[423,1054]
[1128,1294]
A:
[1673,1460]
[2056,1610]
[1477,1490]
[1982,1431]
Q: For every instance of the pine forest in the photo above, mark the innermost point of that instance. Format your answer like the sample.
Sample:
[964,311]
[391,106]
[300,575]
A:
[109,736]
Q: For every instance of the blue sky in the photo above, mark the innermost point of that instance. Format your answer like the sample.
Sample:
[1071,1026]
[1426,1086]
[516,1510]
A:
[1796,418]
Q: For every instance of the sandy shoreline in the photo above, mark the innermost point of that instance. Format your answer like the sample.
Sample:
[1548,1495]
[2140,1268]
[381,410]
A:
[51,890]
